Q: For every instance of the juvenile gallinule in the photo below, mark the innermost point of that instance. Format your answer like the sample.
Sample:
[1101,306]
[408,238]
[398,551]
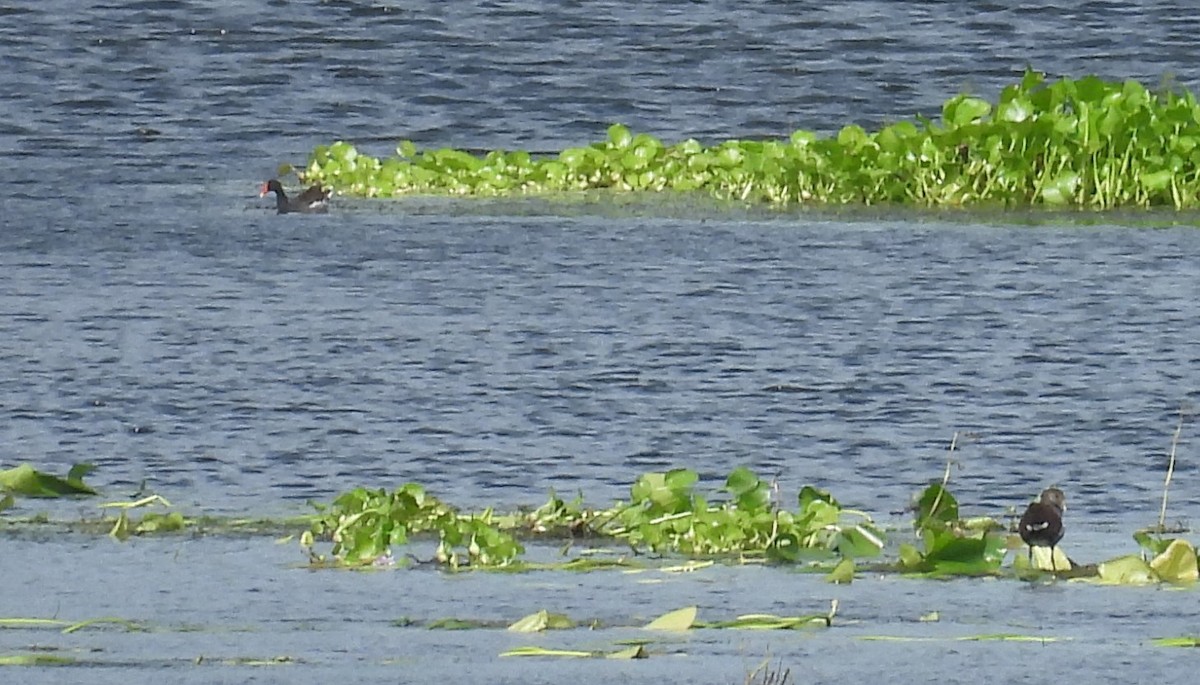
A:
[315,199]
[1041,525]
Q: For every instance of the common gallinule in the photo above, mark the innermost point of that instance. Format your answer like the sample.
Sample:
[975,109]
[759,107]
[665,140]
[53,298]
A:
[1041,525]
[315,199]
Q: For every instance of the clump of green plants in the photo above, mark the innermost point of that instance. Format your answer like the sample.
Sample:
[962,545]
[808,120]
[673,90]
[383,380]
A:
[950,544]
[150,522]
[1086,143]
[664,515]
[366,526]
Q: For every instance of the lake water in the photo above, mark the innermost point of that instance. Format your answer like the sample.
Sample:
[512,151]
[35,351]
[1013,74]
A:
[160,321]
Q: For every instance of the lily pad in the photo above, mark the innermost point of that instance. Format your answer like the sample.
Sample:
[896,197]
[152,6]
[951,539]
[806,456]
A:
[28,481]
[1176,641]
[35,660]
[541,620]
[773,622]
[675,621]
[543,651]
[1177,564]
[843,573]
[1127,570]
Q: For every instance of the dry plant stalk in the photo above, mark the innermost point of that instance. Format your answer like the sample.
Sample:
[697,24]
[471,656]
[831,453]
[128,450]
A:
[945,476]
[1162,514]
[765,675]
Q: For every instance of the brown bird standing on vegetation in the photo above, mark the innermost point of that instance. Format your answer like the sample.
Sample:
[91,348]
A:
[1041,525]
[313,200]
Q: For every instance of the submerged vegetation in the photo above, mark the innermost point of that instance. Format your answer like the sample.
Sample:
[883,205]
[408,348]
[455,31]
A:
[1084,143]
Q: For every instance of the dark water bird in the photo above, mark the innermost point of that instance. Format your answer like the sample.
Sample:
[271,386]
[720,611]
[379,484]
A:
[311,201]
[1041,525]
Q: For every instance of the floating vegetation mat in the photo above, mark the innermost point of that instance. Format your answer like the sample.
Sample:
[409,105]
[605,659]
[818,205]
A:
[667,519]
[1085,143]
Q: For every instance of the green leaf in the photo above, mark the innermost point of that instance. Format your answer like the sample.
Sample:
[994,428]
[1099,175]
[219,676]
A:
[1015,111]
[853,137]
[125,623]
[773,622]
[810,494]
[28,481]
[76,474]
[1177,564]
[633,652]
[858,541]
[1043,561]
[1157,180]
[406,149]
[1154,545]
[1061,190]
[35,660]
[741,480]
[946,511]
[751,493]
[843,573]
[542,651]
[533,623]
[910,556]
[963,110]
[1005,637]
[1176,642]
[948,553]
[456,624]
[343,152]
[1127,570]
[619,136]
[675,621]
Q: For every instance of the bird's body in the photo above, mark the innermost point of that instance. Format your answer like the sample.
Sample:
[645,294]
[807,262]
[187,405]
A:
[1041,525]
[311,201]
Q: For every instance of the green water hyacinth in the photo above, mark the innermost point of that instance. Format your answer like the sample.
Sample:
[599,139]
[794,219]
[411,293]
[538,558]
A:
[1081,143]
[367,526]
[665,514]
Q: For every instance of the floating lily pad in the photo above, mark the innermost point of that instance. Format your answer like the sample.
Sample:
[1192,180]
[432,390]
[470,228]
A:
[677,621]
[1127,570]
[635,652]
[541,620]
[1177,563]
[35,660]
[843,573]
[1176,641]
[28,481]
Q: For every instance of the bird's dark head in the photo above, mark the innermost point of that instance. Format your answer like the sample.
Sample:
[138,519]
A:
[1053,497]
[272,186]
